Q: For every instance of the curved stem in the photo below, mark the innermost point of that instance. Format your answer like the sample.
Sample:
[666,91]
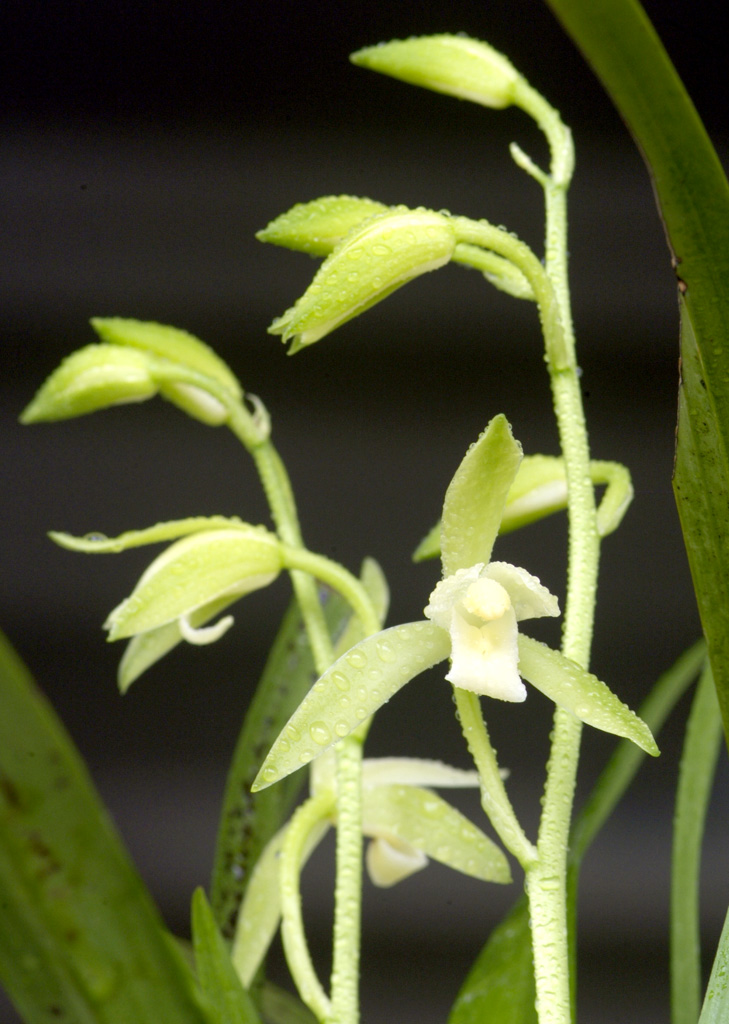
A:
[494,800]
[306,819]
[252,430]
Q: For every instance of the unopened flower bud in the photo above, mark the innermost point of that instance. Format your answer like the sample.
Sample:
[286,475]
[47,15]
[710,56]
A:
[372,261]
[92,378]
[455,65]
[318,226]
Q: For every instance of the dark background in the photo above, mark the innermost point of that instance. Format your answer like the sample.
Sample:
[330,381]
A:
[143,145]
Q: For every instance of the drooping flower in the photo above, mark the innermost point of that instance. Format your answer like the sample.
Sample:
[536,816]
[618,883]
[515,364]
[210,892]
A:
[407,824]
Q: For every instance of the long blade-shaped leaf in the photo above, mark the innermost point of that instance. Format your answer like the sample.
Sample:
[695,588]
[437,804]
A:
[248,820]
[696,777]
[500,985]
[80,939]
[693,195]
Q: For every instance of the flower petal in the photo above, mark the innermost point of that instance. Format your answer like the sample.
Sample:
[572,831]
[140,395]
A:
[476,496]
[316,227]
[455,65]
[484,657]
[195,571]
[582,693]
[93,378]
[422,819]
[391,860]
[145,649]
[371,262]
[530,599]
[412,771]
[355,686]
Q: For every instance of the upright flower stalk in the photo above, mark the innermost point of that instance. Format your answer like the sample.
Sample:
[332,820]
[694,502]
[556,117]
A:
[474,614]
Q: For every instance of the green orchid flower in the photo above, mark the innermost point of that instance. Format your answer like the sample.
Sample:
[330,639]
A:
[406,824]
[212,563]
[471,619]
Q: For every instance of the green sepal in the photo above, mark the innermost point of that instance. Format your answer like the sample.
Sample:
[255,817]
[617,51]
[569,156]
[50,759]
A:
[183,349]
[170,343]
[93,378]
[540,489]
[194,571]
[172,529]
[80,939]
[475,499]
[318,226]
[371,262]
[228,1001]
[146,649]
[355,686]
[500,986]
[429,823]
[582,693]
[455,65]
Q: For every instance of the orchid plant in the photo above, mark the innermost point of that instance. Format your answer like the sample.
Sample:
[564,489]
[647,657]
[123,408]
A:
[314,708]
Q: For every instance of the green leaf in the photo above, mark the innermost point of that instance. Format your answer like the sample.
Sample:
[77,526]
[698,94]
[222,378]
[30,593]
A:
[429,823]
[279,1007]
[228,1000]
[316,227]
[350,691]
[716,1002]
[80,939]
[99,544]
[93,378]
[701,489]
[249,820]
[476,496]
[582,693]
[500,985]
[693,195]
[695,781]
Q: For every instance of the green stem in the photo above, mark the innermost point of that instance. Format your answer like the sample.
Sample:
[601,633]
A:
[306,819]
[494,799]
[348,886]
[696,775]
[304,566]
[252,431]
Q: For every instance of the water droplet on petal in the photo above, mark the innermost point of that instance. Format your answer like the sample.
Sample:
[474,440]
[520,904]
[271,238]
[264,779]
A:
[357,659]
[385,651]
[340,681]
[319,732]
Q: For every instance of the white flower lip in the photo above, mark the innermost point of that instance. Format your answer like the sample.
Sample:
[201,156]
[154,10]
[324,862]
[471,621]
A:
[480,607]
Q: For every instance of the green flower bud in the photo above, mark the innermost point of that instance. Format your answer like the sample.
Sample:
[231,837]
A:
[317,227]
[179,347]
[93,378]
[455,65]
[195,572]
[372,261]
